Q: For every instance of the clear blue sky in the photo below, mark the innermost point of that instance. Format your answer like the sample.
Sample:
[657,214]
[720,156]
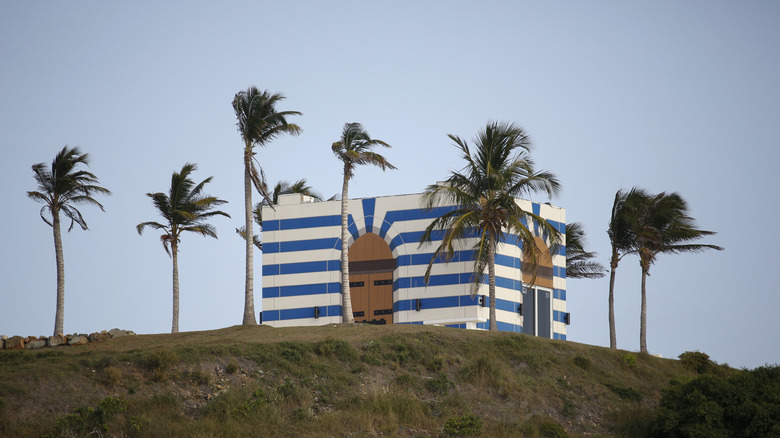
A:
[676,96]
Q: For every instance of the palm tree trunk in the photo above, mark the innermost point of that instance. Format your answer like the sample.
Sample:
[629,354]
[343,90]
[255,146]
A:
[175,256]
[346,307]
[612,332]
[249,296]
[492,282]
[643,316]
[60,312]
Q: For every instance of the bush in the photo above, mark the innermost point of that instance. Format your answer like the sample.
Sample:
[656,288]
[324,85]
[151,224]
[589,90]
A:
[464,426]
[628,358]
[582,362]
[743,405]
[86,421]
[696,361]
[537,426]
[482,371]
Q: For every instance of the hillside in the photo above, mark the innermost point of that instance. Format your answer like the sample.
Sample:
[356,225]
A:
[338,380]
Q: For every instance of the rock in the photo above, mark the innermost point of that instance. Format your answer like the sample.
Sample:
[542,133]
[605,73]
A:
[77,339]
[36,343]
[115,333]
[14,343]
[99,337]
[55,340]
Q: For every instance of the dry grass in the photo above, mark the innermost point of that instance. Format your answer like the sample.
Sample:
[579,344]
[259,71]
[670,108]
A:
[398,380]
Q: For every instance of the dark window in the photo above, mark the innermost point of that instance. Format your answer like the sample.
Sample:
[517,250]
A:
[383,312]
[382,282]
[356,284]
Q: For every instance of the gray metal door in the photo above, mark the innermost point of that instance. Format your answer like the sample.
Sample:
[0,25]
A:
[529,308]
[544,314]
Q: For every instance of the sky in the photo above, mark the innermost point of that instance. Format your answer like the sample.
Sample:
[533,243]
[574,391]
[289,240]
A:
[666,95]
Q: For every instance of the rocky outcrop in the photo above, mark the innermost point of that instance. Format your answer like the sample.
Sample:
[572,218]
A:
[35,342]
[56,340]
[14,343]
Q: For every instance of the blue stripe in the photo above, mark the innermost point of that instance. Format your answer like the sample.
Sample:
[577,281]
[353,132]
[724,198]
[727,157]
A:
[410,215]
[270,270]
[301,312]
[536,208]
[352,227]
[308,245]
[301,289]
[310,222]
[270,292]
[368,213]
[301,267]
[303,222]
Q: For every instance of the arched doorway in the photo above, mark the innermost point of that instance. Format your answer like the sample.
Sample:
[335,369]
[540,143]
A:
[371,266]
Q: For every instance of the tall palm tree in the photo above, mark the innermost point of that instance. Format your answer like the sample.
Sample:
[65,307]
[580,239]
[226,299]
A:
[61,188]
[621,231]
[353,149]
[258,123]
[281,187]
[664,226]
[184,208]
[484,193]
[580,263]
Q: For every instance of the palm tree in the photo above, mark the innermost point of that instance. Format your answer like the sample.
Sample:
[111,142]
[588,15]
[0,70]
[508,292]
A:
[621,231]
[282,187]
[664,226]
[353,149]
[484,193]
[580,263]
[61,188]
[258,123]
[184,208]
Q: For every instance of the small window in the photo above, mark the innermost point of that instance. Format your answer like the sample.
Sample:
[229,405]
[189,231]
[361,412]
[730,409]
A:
[382,282]
[356,284]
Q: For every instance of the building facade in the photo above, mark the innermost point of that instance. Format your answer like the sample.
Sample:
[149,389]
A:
[301,269]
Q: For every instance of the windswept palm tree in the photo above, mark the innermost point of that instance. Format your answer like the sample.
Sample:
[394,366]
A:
[622,232]
[484,193]
[184,208]
[580,263]
[353,149]
[664,226]
[258,123]
[61,188]
[282,187]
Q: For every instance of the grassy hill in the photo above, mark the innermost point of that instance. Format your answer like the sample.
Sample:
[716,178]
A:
[338,380]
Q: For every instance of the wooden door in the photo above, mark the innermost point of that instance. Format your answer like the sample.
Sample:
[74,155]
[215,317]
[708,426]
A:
[371,266]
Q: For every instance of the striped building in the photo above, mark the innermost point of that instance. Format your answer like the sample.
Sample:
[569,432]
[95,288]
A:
[301,269]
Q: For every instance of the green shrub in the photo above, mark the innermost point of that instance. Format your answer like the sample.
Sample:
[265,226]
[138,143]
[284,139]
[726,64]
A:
[440,385]
[86,421]
[159,361]
[232,367]
[696,361]
[582,361]
[741,405]
[340,349]
[628,358]
[482,371]
[538,426]
[631,422]
[625,393]
[113,374]
[464,426]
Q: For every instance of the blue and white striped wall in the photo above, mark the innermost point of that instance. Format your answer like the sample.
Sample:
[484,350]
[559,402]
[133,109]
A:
[301,265]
